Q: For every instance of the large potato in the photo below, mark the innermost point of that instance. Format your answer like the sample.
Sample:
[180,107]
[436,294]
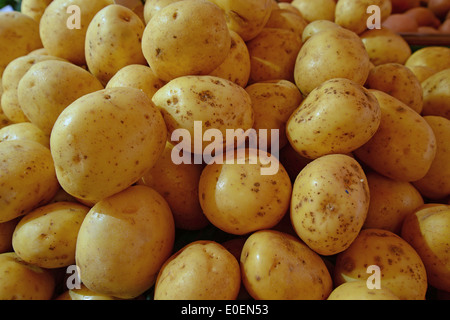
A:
[358,290]
[316,10]
[123,242]
[278,266]
[404,146]
[436,94]
[330,200]
[48,87]
[202,270]
[27,178]
[174,45]
[338,116]
[105,141]
[437,58]
[402,270]
[332,53]
[34,8]
[113,41]
[24,131]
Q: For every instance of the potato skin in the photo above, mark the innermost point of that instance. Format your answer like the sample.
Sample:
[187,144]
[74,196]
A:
[34,8]
[437,58]
[358,290]
[436,94]
[24,131]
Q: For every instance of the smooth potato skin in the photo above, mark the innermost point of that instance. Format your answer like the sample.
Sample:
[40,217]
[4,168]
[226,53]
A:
[24,131]
[437,58]
[34,8]
[436,94]
[316,10]
[358,290]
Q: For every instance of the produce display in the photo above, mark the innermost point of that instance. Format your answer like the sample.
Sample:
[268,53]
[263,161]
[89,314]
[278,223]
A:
[224,150]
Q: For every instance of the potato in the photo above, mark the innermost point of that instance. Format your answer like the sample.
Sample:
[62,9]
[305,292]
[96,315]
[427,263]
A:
[178,184]
[436,94]
[427,230]
[27,177]
[113,41]
[247,18]
[34,8]
[358,290]
[238,199]
[435,57]
[174,45]
[123,242]
[48,87]
[287,19]
[273,53]
[316,10]
[404,146]
[422,72]
[19,35]
[6,232]
[352,15]
[332,53]
[107,138]
[202,270]
[338,116]
[137,6]
[402,270]
[390,202]
[315,27]
[47,236]
[24,131]
[278,266]
[236,66]
[60,40]
[385,46]
[83,293]
[330,200]
[23,281]
[436,183]
[398,81]
[151,7]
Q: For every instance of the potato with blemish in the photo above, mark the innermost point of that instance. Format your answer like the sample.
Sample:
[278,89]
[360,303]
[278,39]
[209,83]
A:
[151,7]
[436,94]
[358,290]
[402,270]
[316,10]
[422,72]
[404,145]
[330,200]
[24,131]
[6,232]
[435,57]
[34,8]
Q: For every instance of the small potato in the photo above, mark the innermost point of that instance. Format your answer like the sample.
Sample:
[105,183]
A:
[174,45]
[107,138]
[27,178]
[48,87]
[437,58]
[330,200]
[422,72]
[404,146]
[338,116]
[113,41]
[436,94]
[316,10]
[34,8]
[24,131]
[278,266]
[402,270]
[427,230]
[47,236]
[6,232]
[358,290]
[24,281]
[287,19]
[436,183]
[398,81]
[315,27]
[123,242]
[83,293]
[202,270]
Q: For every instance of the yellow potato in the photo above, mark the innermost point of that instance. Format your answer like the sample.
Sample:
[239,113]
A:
[385,46]
[105,141]
[338,116]
[24,131]
[27,178]
[287,19]
[404,146]
[202,270]
[436,94]
[6,232]
[330,200]
[315,27]
[176,45]
[60,40]
[398,81]
[332,53]
[316,10]
[34,8]
[437,58]
[427,230]
[422,72]
[401,269]
[23,281]
[48,87]
[288,6]
[358,290]
[390,202]
[47,236]
[278,266]
[113,41]
[436,183]
[123,242]
[151,7]
[137,6]
[83,293]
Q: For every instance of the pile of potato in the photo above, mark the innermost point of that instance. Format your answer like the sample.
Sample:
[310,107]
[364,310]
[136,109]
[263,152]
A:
[88,177]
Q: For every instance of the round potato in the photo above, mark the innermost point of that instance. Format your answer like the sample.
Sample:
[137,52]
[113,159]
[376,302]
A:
[402,270]
[404,146]
[338,116]
[316,10]
[174,45]
[202,270]
[317,26]
[287,19]
[330,200]
[113,41]
[47,236]
[27,177]
[83,293]
[123,242]
[358,290]
[107,138]
[332,53]
[34,8]
[24,131]
[437,58]
[6,232]
[436,94]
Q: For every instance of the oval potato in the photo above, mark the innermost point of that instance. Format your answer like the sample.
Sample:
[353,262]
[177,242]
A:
[24,131]
[436,94]
[435,57]
[316,10]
